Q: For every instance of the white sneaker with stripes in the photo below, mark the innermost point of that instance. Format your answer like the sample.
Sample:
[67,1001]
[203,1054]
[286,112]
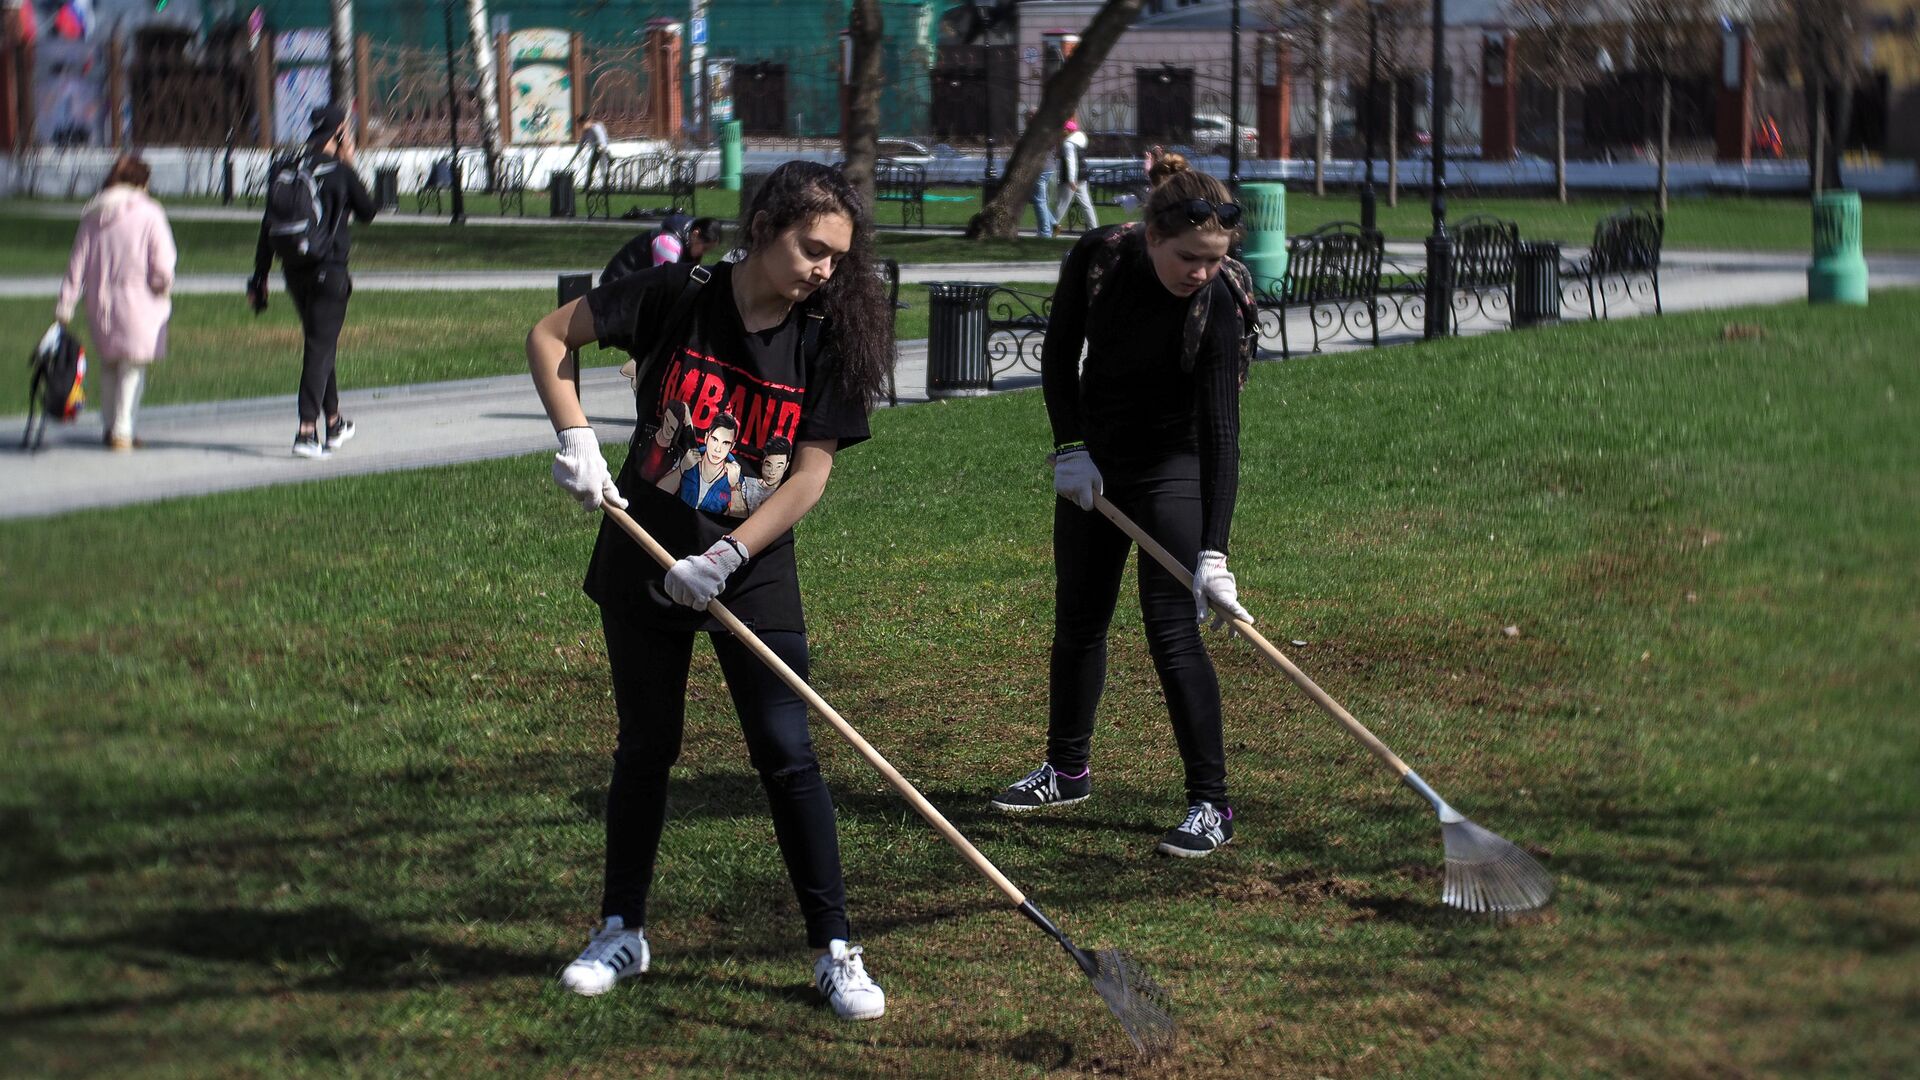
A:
[614,953]
[842,976]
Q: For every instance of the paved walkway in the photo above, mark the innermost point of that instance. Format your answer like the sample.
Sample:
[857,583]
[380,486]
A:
[221,446]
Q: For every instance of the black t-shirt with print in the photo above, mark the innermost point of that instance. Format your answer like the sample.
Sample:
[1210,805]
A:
[688,478]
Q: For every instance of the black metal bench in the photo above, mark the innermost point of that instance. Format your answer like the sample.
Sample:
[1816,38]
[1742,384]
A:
[510,184]
[1113,183]
[1334,273]
[651,174]
[1483,253]
[905,183]
[1622,267]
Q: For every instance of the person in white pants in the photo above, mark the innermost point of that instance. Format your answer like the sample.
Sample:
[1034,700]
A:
[122,265]
[1073,181]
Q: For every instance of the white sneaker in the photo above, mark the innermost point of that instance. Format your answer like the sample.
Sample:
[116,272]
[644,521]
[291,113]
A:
[843,978]
[614,953]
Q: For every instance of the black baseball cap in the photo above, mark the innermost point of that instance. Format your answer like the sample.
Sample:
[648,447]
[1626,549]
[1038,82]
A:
[326,120]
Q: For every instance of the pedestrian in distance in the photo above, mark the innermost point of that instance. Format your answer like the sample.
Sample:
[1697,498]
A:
[122,264]
[1153,424]
[1074,190]
[593,143]
[780,353]
[309,199]
[1042,211]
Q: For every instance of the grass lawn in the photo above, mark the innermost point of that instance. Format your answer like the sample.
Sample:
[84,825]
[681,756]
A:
[308,780]
[219,350]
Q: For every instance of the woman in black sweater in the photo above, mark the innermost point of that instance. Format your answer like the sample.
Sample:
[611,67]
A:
[1153,423]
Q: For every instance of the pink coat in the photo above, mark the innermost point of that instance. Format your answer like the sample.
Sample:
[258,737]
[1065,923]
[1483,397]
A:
[123,262]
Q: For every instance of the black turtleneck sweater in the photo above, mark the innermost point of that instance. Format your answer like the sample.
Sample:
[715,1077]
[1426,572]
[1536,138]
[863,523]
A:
[1131,402]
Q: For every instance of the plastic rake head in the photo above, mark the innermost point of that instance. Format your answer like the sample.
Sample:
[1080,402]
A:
[1488,873]
[1137,1001]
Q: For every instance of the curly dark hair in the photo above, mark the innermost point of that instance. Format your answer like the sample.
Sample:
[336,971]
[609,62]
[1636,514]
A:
[859,322]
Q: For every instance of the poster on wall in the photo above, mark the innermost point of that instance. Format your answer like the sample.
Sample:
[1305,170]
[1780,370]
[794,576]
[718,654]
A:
[300,83]
[540,104]
[70,93]
[719,90]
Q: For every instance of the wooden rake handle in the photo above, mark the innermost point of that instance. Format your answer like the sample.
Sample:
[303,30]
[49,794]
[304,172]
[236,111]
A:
[799,686]
[1245,629]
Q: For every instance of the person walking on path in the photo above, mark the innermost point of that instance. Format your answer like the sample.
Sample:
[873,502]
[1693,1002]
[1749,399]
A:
[1042,210]
[318,280]
[122,263]
[593,143]
[1074,190]
[1153,423]
[782,352]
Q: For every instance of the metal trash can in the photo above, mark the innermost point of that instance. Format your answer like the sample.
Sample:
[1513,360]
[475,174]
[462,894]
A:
[386,188]
[560,194]
[1536,283]
[957,338]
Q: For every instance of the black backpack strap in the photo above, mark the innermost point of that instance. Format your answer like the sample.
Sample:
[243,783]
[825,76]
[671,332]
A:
[672,333]
[810,337]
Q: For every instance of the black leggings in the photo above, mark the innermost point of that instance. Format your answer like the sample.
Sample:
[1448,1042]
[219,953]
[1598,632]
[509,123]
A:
[650,694]
[1089,555]
[320,296]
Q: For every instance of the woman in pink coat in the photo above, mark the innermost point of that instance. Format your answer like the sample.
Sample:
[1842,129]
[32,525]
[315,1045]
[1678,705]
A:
[122,262]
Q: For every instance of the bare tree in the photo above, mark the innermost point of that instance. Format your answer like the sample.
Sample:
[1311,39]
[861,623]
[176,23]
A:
[1557,48]
[1312,32]
[1058,100]
[1671,37]
[1826,50]
[860,141]
[1400,56]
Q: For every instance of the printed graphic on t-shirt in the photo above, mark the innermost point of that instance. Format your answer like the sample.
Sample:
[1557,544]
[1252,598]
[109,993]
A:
[723,437]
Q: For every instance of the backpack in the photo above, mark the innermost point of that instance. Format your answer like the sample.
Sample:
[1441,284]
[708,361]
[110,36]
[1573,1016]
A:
[58,383]
[1239,284]
[297,228]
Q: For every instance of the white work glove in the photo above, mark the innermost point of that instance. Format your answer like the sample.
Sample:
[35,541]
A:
[49,339]
[1076,478]
[1213,586]
[580,469]
[697,579]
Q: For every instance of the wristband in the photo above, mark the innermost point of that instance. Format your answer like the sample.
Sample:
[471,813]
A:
[1070,447]
[738,548]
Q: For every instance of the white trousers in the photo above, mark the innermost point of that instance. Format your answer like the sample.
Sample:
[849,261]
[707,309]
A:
[1071,195]
[120,384]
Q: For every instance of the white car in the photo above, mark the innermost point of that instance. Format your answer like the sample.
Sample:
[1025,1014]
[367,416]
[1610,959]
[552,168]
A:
[1213,133]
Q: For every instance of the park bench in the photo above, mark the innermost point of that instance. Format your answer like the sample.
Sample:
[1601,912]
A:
[644,174]
[1483,253]
[1623,266]
[510,184]
[902,182]
[1334,273]
[1113,183]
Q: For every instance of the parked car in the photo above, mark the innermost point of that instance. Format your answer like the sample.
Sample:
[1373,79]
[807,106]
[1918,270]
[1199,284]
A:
[905,150]
[1214,133]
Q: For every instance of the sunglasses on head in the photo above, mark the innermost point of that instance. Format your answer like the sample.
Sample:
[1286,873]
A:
[1197,211]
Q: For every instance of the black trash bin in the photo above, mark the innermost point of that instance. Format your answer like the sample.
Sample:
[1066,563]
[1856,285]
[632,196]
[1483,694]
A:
[1536,283]
[560,194]
[386,188]
[957,338]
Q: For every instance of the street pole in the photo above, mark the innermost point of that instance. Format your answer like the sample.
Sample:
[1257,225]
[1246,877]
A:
[1439,244]
[986,52]
[453,125]
[1369,214]
[1233,106]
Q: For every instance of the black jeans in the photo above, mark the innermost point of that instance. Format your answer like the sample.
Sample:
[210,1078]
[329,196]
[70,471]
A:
[320,296]
[1089,555]
[650,694]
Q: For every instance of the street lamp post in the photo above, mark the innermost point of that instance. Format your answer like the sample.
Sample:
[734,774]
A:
[453,126]
[1439,244]
[1233,106]
[1369,214]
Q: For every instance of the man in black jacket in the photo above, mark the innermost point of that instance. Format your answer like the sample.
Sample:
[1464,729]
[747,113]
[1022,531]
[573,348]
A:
[320,289]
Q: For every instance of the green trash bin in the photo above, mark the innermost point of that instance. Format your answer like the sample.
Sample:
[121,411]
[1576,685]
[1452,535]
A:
[730,155]
[1265,247]
[1838,273]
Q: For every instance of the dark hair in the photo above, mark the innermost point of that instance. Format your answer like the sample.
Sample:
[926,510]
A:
[1165,207]
[859,323]
[724,420]
[129,169]
[776,445]
[1167,163]
[706,228]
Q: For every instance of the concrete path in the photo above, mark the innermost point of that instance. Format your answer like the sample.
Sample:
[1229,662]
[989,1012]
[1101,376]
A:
[202,448]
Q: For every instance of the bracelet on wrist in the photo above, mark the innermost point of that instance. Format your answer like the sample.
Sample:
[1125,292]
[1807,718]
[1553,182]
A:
[738,548]
[1070,447]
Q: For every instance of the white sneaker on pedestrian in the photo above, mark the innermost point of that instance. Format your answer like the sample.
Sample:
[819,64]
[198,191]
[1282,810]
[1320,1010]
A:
[842,976]
[615,953]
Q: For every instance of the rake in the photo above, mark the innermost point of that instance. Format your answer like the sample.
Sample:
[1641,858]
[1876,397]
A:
[1136,1000]
[1485,871]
